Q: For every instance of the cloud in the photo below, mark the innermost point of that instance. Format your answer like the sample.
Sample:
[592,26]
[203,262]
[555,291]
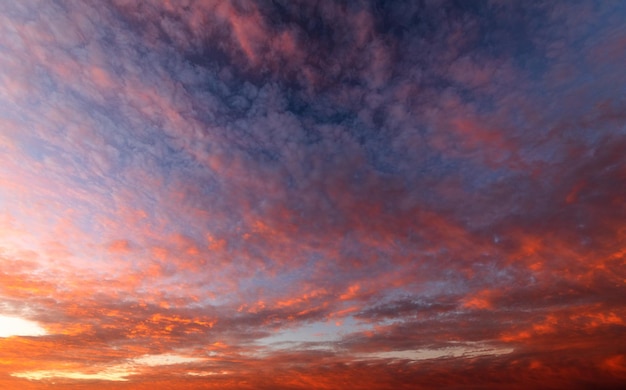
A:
[299,195]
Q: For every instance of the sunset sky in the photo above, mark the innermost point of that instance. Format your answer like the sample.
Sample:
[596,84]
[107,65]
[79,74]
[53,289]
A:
[299,194]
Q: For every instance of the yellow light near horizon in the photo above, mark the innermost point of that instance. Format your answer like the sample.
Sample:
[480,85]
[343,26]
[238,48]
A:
[116,372]
[15,326]
[50,374]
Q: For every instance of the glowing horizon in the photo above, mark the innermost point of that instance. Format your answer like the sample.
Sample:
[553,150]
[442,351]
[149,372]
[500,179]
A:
[16,326]
[291,195]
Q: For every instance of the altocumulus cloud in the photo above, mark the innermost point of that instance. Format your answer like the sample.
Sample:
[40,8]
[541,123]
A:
[296,195]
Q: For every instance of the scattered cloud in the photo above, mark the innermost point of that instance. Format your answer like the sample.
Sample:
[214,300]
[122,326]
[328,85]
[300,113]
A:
[290,195]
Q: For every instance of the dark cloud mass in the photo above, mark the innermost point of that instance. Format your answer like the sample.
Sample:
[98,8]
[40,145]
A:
[312,194]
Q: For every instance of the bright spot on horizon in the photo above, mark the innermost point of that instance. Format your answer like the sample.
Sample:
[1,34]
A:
[15,326]
[107,375]
[165,360]
[115,373]
[207,373]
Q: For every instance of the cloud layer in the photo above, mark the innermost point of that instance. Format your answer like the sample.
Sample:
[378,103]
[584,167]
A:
[297,195]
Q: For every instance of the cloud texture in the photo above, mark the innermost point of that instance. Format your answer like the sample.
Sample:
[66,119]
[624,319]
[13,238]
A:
[313,195]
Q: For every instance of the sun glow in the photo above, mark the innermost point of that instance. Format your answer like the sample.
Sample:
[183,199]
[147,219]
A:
[107,375]
[15,326]
[116,373]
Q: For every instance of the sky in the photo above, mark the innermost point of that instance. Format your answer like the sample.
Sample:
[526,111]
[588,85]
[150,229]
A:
[299,194]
